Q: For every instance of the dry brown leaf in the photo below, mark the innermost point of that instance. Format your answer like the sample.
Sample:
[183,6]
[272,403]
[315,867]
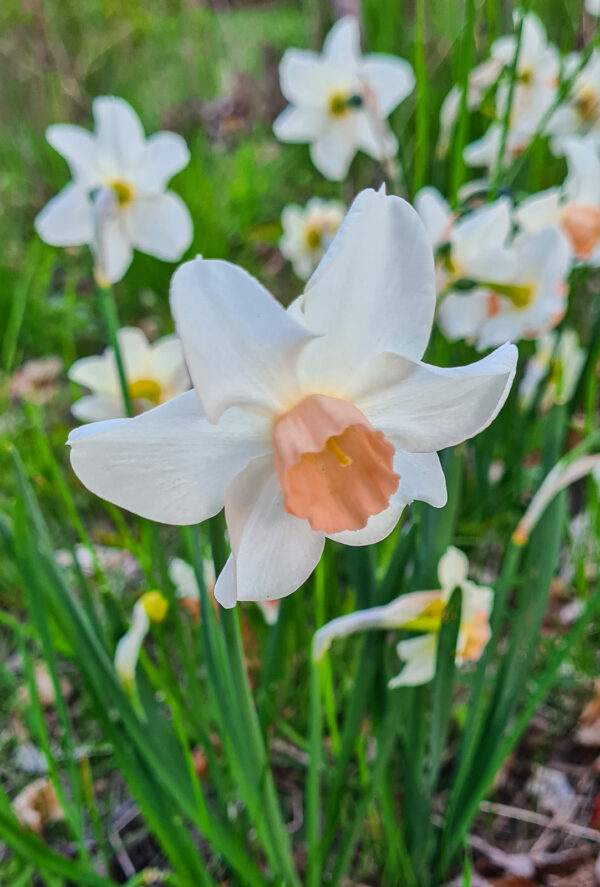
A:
[37,805]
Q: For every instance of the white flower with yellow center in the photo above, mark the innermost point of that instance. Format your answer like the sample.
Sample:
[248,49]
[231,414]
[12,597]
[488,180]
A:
[523,299]
[308,231]
[155,373]
[558,360]
[574,207]
[579,114]
[423,611]
[317,422]
[340,100]
[118,200]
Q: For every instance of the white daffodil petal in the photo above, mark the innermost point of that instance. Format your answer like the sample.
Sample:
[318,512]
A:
[302,77]
[119,133]
[582,184]
[128,649]
[374,290]
[453,568]
[298,124]
[274,551]
[435,214]
[539,210]
[169,464]
[66,220]
[161,226]
[164,155]
[241,346]
[342,44]
[460,315]
[429,408]
[168,364]
[115,252]
[419,655]
[226,585]
[334,148]
[97,408]
[391,78]
[78,147]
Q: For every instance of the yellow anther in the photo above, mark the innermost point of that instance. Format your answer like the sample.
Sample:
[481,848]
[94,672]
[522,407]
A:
[338,104]
[155,605]
[313,238]
[333,447]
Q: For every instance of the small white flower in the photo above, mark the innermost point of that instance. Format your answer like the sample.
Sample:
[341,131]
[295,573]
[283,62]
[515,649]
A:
[423,611]
[340,100]
[559,360]
[308,231]
[481,79]
[593,7]
[317,422]
[526,299]
[574,207]
[118,200]
[155,373]
[579,114]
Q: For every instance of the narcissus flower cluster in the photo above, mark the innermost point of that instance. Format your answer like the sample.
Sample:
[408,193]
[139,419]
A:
[317,422]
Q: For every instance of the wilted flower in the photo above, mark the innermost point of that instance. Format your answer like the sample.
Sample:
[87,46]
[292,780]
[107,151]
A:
[423,611]
[118,199]
[317,422]
[574,207]
[37,805]
[308,231]
[339,100]
[155,373]
[559,360]
[36,380]
[151,608]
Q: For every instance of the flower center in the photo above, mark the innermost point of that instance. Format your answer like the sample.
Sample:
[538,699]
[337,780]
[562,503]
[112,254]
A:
[335,469]
[341,103]
[581,224]
[145,389]
[314,238]
[123,191]
[521,295]
[586,102]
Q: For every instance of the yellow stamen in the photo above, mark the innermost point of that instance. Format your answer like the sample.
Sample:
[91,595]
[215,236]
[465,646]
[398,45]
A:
[338,452]
[586,102]
[123,191]
[338,104]
[145,389]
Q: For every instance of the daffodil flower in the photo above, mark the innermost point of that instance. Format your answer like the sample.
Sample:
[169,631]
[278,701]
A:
[150,608]
[308,231]
[317,422]
[574,207]
[579,114]
[558,360]
[423,611]
[118,199]
[155,373]
[526,299]
[340,100]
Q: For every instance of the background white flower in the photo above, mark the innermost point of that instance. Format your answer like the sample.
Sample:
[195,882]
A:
[308,231]
[340,100]
[574,207]
[317,422]
[118,200]
[155,373]
[558,360]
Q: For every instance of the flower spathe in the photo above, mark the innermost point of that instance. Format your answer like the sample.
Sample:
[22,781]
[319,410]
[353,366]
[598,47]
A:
[151,608]
[308,231]
[340,100]
[155,373]
[118,200]
[423,611]
[336,383]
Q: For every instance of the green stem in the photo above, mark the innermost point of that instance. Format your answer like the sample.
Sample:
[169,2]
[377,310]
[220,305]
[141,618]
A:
[466,52]
[313,795]
[497,175]
[422,122]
